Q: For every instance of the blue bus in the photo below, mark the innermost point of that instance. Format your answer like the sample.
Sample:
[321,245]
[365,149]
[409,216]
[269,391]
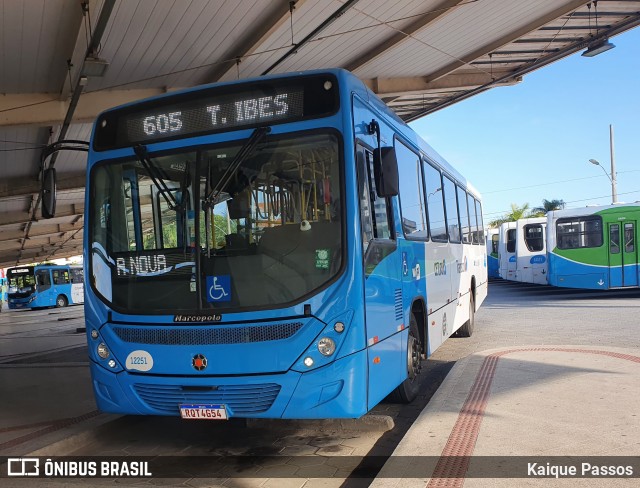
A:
[45,285]
[3,288]
[280,247]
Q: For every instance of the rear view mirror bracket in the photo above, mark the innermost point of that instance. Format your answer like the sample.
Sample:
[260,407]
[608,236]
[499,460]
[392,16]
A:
[48,187]
[48,193]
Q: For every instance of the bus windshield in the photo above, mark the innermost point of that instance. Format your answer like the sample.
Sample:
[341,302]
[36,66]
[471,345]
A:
[21,280]
[166,236]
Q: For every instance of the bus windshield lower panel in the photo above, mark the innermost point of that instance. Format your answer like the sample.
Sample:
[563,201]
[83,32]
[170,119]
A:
[166,236]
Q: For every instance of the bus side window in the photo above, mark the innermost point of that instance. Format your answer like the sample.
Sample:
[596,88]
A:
[464,216]
[60,277]
[451,206]
[480,232]
[77,276]
[373,209]
[412,206]
[473,217]
[435,203]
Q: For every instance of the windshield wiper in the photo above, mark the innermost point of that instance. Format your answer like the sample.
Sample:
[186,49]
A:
[156,177]
[244,152]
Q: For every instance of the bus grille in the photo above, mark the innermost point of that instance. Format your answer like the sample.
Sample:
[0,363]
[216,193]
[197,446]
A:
[241,399]
[201,336]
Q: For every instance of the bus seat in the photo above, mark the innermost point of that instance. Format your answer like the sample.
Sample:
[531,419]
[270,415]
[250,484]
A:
[289,254]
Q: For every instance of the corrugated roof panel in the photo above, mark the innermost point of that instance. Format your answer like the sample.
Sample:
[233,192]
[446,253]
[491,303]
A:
[20,149]
[19,205]
[36,39]
[305,19]
[460,32]
[74,161]
[229,29]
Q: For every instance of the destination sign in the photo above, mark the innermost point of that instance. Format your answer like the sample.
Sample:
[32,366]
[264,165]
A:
[216,109]
[16,271]
[214,114]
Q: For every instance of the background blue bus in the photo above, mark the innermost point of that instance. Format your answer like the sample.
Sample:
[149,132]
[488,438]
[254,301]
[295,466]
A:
[3,288]
[250,254]
[45,286]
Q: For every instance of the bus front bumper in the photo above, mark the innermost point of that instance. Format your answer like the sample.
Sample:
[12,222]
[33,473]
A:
[337,390]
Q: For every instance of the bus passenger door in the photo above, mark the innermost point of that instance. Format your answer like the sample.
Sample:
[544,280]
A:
[43,280]
[623,255]
[382,287]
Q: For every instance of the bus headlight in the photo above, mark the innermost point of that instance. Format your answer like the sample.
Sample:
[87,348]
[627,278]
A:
[94,334]
[102,350]
[326,346]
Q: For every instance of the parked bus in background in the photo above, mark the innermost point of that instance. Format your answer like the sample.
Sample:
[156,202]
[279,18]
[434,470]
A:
[531,250]
[507,251]
[277,247]
[45,285]
[493,265]
[3,287]
[594,247]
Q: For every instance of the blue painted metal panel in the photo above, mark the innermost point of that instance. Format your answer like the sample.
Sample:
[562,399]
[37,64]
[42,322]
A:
[571,274]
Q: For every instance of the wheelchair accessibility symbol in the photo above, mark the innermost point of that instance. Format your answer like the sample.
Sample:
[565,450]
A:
[219,288]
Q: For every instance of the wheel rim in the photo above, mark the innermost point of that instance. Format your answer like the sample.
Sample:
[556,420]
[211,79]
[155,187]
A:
[413,357]
[60,302]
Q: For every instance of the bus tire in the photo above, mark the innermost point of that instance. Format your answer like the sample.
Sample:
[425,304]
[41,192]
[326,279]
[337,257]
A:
[408,390]
[467,328]
[61,301]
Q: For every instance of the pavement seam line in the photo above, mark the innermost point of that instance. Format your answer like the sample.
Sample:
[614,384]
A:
[47,430]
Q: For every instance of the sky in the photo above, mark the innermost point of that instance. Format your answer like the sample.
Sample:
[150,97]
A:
[533,141]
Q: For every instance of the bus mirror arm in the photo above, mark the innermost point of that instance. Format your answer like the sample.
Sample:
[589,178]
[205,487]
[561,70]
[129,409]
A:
[385,166]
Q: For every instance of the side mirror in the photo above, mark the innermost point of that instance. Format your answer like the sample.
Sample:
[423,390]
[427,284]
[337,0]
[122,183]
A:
[48,193]
[385,167]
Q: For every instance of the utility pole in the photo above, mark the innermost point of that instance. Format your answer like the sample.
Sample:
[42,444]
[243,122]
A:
[614,189]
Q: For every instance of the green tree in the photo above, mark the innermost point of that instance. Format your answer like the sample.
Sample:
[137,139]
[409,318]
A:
[547,206]
[517,213]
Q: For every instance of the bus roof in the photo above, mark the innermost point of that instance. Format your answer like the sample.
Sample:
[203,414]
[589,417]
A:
[592,209]
[346,80]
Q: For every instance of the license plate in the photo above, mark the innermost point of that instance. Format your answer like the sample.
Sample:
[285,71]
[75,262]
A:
[204,412]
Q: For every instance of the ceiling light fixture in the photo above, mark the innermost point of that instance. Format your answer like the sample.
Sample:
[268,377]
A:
[94,67]
[598,47]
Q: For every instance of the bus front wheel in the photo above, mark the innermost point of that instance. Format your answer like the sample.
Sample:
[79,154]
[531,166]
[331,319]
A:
[408,389]
[61,301]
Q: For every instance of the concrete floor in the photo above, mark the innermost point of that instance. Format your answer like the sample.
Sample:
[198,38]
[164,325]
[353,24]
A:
[44,375]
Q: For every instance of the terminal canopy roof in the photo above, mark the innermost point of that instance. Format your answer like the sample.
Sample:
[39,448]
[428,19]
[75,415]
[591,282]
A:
[64,61]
